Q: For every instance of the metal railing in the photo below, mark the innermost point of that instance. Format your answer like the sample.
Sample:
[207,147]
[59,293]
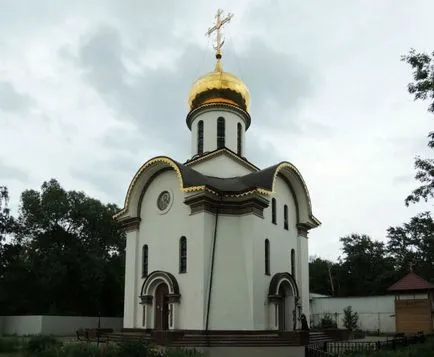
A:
[341,347]
[316,351]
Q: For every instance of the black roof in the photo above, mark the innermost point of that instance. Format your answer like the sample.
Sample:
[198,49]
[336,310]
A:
[232,185]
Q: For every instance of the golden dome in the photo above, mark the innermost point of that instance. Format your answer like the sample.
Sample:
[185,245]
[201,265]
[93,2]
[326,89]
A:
[219,87]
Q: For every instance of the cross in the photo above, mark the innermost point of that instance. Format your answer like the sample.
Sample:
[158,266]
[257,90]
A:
[216,28]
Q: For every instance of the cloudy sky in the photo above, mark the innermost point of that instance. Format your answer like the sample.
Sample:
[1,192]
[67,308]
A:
[89,90]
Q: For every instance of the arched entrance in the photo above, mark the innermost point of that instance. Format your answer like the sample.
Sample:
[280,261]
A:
[161,307]
[160,299]
[283,297]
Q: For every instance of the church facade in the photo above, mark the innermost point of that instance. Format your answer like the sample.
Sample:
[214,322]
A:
[215,243]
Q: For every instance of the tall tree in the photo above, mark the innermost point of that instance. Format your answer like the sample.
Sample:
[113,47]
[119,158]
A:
[364,269]
[422,88]
[322,276]
[412,244]
[5,219]
[69,252]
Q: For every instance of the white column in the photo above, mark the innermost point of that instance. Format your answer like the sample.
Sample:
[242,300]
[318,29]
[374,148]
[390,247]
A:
[303,269]
[131,297]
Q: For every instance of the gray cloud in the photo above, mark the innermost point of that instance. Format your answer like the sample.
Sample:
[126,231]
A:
[9,172]
[155,100]
[11,100]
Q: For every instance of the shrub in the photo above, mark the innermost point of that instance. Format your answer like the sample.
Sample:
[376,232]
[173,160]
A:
[351,319]
[82,349]
[10,344]
[182,352]
[135,349]
[327,321]
[42,345]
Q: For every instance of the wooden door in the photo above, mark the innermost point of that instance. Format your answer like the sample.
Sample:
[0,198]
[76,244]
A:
[161,307]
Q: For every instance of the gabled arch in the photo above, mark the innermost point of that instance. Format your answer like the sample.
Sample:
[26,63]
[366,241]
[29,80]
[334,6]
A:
[277,280]
[189,181]
[298,187]
[156,277]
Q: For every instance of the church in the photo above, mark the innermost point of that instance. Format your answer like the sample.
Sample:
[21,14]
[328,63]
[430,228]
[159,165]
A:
[215,242]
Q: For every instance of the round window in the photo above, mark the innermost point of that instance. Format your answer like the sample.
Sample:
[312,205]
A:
[163,200]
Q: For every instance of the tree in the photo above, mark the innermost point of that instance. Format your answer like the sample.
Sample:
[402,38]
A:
[67,252]
[321,276]
[351,319]
[5,219]
[423,89]
[412,245]
[365,268]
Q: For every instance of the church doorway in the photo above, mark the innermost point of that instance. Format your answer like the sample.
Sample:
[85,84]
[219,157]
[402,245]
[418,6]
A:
[286,307]
[162,307]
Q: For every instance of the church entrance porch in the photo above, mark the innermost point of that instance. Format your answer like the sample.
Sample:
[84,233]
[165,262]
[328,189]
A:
[283,297]
[160,300]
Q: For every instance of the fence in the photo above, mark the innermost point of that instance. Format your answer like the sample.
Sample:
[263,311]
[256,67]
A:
[330,349]
[383,322]
[56,325]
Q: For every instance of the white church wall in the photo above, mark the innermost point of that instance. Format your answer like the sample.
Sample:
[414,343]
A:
[282,241]
[209,118]
[131,286]
[221,166]
[231,307]
[375,312]
[162,233]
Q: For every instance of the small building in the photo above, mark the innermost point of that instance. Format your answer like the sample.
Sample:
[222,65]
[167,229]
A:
[414,304]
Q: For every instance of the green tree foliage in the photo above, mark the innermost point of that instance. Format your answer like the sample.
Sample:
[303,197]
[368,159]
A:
[322,276]
[351,319]
[413,245]
[366,268]
[66,256]
[5,219]
[422,88]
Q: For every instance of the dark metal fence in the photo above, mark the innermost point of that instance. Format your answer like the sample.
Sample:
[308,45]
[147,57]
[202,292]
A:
[339,348]
[317,351]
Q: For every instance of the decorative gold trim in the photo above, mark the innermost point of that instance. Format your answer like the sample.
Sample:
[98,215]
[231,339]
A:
[158,159]
[288,165]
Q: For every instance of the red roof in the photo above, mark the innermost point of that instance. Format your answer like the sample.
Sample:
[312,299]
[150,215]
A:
[411,281]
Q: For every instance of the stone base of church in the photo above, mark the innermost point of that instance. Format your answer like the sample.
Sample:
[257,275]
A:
[265,340]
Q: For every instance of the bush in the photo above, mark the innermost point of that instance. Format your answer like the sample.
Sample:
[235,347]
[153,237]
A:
[82,349]
[182,352]
[10,344]
[42,345]
[135,349]
[327,322]
[351,319]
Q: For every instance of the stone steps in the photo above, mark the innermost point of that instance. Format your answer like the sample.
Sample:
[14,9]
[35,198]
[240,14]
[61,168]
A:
[220,338]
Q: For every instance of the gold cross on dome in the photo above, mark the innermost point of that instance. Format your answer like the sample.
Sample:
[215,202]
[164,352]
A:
[217,29]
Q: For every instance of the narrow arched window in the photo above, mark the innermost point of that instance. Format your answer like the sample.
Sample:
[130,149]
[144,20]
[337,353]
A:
[239,139]
[293,262]
[183,255]
[145,261]
[267,257]
[285,217]
[200,137]
[273,211]
[220,132]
